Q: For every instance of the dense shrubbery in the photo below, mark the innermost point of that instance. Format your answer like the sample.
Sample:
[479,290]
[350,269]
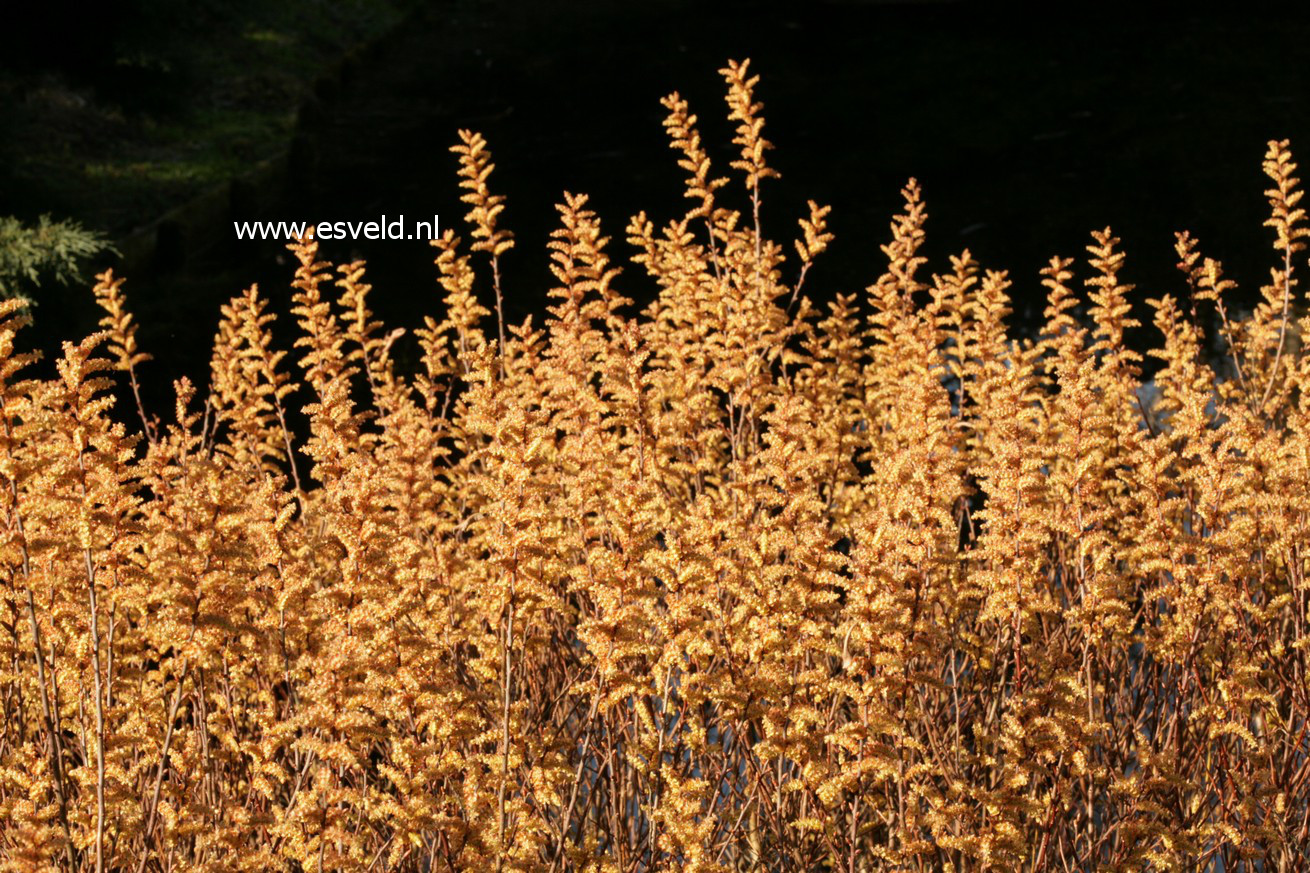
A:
[734,584]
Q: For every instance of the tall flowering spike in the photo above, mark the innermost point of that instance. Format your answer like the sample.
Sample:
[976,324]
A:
[815,234]
[324,359]
[359,325]
[893,294]
[335,423]
[118,321]
[1060,298]
[1287,216]
[815,240]
[1268,346]
[1109,297]
[475,167]
[1206,282]
[744,110]
[122,337]
[12,320]
[750,125]
[581,266]
[249,388]
[463,312]
[1118,365]
[680,125]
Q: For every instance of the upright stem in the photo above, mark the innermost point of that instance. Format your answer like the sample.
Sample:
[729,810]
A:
[1090,824]
[1282,331]
[855,812]
[140,407]
[99,714]
[507,689]
[159,772]
[755,211]
[500,310]
[94,605]
[51,724]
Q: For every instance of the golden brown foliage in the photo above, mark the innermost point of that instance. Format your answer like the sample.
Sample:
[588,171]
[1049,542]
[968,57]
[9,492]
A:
[732,584]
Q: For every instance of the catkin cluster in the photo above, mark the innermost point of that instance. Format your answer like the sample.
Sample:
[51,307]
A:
[730,583]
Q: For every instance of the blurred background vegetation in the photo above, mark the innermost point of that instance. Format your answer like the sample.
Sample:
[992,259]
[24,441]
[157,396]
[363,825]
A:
[47,250]
[115,112]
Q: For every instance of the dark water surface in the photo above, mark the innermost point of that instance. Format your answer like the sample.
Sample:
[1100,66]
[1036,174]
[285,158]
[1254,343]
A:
[1025,131]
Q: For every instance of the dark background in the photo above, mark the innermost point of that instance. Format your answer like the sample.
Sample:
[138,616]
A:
[1027,130]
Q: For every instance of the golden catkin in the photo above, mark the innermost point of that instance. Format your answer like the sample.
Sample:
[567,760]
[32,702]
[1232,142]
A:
[732,583]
